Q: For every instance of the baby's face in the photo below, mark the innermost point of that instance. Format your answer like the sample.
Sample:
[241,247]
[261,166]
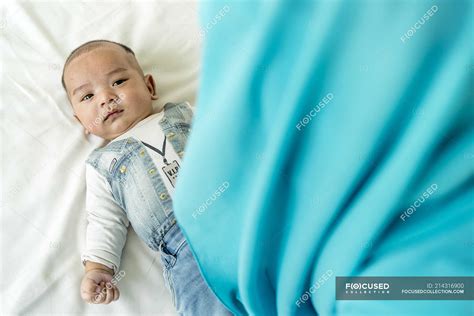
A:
[108,93]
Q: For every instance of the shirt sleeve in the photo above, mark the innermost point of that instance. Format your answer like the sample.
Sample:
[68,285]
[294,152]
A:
[107,223]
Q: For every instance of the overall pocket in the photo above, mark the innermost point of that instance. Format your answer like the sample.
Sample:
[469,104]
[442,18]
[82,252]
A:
[168,261]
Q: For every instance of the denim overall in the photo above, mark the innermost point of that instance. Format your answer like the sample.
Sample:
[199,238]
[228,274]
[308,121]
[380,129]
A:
[139,189]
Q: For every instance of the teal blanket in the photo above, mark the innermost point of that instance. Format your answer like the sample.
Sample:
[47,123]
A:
[332,138]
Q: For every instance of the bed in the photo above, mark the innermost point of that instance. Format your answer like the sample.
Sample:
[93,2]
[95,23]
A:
[44,148]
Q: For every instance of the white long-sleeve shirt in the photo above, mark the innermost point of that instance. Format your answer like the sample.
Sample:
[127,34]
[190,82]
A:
[107,221]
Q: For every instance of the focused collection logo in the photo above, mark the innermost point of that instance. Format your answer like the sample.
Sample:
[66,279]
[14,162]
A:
[367,288]
[404,288]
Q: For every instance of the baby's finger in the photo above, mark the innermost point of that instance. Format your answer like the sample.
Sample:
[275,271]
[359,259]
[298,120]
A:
[89,287]
[110,293]
[98,298]
[116,293]
[88,292]
[100,294]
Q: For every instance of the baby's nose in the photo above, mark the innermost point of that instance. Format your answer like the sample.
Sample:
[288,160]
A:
[107,101]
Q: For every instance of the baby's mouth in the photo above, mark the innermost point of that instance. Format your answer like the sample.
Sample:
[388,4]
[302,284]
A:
[112,113]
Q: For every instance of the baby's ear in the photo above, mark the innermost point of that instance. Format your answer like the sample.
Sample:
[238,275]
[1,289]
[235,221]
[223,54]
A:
[150,84]
[77,118]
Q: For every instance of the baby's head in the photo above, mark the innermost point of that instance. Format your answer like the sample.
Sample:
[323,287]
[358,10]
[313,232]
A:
[107,88]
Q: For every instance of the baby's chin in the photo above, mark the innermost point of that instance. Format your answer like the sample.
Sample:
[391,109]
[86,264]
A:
[117,128]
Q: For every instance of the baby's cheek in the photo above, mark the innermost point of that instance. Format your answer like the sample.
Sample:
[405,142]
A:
[95,121]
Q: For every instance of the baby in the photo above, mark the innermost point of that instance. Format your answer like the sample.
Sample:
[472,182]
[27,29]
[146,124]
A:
[132,178]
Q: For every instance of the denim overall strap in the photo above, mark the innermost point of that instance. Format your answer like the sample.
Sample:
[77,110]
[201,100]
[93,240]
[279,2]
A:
[176,124]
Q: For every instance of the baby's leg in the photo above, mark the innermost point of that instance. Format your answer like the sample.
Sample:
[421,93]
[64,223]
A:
[191,294]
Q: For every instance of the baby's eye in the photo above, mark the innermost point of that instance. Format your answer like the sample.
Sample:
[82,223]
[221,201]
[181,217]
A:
[118,82]
[86,97]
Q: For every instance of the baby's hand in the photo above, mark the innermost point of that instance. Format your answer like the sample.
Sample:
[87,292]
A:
[96,287]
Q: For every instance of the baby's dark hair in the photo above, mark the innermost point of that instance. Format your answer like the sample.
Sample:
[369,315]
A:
[86,47]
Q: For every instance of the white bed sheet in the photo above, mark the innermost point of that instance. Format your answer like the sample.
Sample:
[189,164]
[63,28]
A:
[43,147]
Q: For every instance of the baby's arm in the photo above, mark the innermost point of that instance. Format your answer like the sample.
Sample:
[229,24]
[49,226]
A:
[105,238]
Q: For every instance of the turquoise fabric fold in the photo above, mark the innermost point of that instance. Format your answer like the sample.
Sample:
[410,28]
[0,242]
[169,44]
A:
[331,138]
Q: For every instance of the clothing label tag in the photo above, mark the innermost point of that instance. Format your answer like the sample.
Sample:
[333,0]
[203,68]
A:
[171,171]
